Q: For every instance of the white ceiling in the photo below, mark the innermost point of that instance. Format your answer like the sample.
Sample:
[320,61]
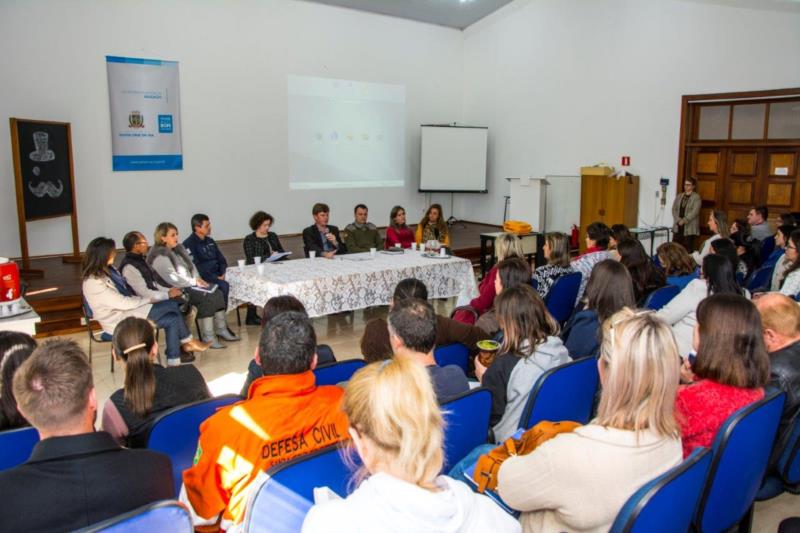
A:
[453,13]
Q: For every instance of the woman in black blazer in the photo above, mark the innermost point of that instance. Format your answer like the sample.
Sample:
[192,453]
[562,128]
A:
[261,243]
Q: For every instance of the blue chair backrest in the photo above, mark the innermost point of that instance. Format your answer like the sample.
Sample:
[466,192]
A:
[466,424]
[760,278]
[334,373]
[89,314]
[740,278]
[166,515]
[565,392]
[175,432]
[281,498]
[668,502]
[661,297]
[741,450]
[789,461]
[16,446]
[767,247]
[87,310]
[452,354]
[560,300]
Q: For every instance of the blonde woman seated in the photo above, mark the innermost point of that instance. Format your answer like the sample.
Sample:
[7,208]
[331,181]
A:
[396,428]
[173,267]
[579,481]
[507,245]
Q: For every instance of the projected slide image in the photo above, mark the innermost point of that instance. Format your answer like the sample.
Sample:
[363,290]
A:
[345,134]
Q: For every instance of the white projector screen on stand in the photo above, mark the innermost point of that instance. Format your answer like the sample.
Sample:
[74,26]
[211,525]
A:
[453,158]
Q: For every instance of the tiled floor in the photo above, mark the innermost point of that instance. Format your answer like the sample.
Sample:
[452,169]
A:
[225,371]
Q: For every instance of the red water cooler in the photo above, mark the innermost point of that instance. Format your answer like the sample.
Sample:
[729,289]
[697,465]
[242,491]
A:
[9,281]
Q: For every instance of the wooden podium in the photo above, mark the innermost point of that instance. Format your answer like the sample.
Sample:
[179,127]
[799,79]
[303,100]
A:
[608,199]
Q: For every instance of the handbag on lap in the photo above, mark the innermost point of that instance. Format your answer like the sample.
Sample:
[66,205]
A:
[488,465]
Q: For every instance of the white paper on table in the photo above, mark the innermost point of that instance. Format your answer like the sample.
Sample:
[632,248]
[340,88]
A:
[275,257]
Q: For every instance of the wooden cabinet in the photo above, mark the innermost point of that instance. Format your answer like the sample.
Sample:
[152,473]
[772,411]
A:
[608,199]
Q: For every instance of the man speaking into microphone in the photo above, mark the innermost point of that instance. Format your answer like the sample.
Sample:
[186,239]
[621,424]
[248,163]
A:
[320,237]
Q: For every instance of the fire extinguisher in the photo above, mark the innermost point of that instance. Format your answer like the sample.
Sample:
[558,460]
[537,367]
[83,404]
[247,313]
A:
[574,237]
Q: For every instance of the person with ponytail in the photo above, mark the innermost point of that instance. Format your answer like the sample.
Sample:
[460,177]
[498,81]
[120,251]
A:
[149,388]
[397,430]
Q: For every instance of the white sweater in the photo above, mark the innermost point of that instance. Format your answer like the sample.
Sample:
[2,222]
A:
[791,285]
[680,313]
[705,250]
[579,481]
[109,306]
[383,503]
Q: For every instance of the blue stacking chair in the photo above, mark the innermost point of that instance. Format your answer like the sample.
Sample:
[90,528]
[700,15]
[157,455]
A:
[281,498]
[16,446]
[565,392]
[760,278]
[767,247]
[166,515]
[742,449]
[668,502]
[452,354]
[785,476]
[661,297]
[334,373]
[175,432]
[466,424]
[100,338]
[560,300]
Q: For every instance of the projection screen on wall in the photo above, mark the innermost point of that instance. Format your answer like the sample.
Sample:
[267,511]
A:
[453,159]
[345,134]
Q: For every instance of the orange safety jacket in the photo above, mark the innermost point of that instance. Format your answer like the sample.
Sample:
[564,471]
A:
[283,417]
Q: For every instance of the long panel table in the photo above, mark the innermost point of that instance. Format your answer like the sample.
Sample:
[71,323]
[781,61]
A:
[349,282]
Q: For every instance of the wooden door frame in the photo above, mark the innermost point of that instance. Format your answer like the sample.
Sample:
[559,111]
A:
[686,128]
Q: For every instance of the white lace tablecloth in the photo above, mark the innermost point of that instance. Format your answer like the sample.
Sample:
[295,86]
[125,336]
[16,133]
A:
[349,282]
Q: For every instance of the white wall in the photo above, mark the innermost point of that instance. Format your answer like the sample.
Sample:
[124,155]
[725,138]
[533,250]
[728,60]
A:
[567,83]
[560,83]
[234,59]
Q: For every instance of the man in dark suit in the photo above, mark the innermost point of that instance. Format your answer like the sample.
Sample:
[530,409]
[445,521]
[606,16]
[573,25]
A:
[322,238]
[75,476]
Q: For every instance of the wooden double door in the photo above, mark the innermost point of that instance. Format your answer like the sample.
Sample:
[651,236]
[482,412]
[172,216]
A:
[735,178]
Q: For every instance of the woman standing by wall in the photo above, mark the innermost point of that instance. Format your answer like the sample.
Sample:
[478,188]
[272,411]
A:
[686,214]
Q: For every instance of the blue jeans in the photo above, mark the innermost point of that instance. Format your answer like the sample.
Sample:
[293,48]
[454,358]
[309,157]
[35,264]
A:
[461,467]
[167,315]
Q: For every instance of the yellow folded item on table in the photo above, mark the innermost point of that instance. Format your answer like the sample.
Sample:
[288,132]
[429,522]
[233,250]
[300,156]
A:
[517,226]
